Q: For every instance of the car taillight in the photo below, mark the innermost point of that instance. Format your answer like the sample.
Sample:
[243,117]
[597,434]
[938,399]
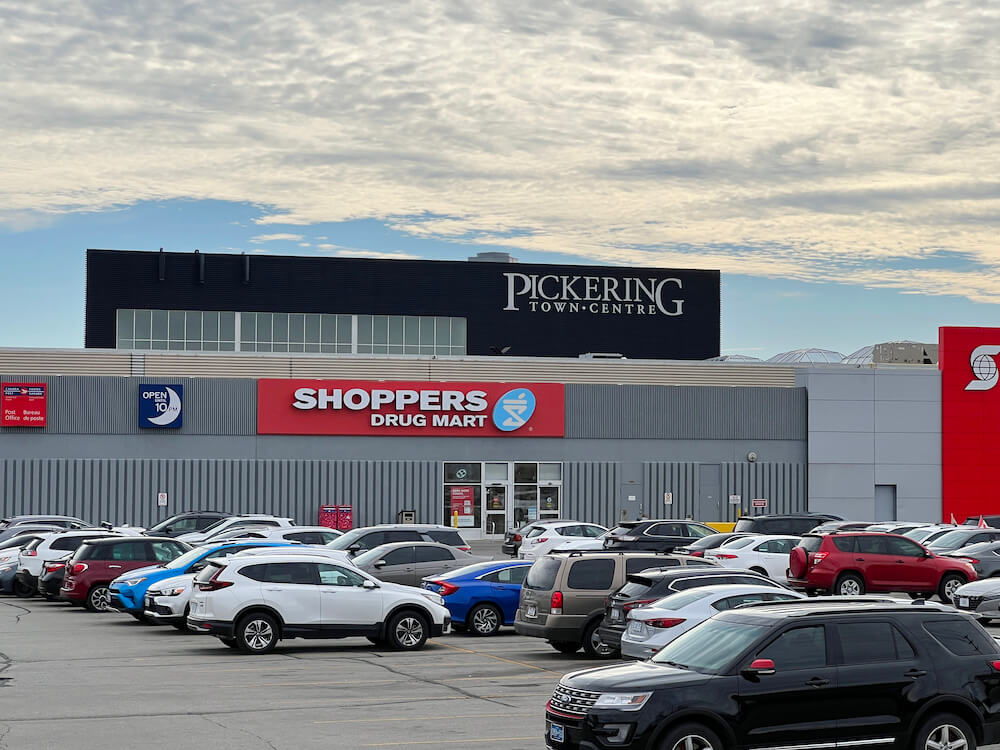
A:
[995,665]
[555,605]
[444,588]
[723,556]
[466,549]
[29,553]
[664,622]
[818,557]
[543,539]
[697,553]
[637,603]
[629,538]
[53,567]
[78,568]
[517,537]
[212,584]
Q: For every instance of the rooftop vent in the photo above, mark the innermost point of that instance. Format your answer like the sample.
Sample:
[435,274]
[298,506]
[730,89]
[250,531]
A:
[493,257]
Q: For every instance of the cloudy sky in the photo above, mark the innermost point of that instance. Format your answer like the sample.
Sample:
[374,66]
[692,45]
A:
[838,161]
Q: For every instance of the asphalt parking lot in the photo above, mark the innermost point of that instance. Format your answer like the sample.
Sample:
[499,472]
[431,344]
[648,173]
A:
[69,678]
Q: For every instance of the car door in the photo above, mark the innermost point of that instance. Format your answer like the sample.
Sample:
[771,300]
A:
[345,601]
[873,559]
[878,674]
[398,566]
[772,556]
[430,561]
[126,556]
[292,588]
[505,588]
[663,536]
[912,570]
[790,707]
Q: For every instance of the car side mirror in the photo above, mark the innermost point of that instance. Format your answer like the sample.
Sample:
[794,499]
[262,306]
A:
[761,667]
[369,584]
[167,529]
[353,549]
[380,563]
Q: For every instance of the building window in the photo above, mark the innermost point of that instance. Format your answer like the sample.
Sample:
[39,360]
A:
[194,330]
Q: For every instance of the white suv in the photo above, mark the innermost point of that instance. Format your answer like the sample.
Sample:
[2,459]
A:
[250,603]
[226,527]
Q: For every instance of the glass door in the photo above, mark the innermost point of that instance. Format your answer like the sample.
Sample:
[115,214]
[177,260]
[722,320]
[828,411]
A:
[525,504]
[496,510]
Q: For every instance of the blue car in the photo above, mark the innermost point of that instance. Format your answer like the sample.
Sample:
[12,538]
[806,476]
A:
[481,597]
[127,591]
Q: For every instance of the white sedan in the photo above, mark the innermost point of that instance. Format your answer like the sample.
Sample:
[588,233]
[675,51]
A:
[541,539]
[651,628]
[765,554]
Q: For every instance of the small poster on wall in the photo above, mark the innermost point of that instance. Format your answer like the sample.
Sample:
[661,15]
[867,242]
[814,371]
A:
[463,501]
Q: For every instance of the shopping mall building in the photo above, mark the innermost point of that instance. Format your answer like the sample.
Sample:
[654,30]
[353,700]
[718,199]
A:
[477,393]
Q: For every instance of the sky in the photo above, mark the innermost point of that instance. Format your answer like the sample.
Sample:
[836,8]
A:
[836,160]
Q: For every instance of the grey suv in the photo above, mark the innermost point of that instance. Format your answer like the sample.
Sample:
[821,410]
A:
[365,538]
[563,595]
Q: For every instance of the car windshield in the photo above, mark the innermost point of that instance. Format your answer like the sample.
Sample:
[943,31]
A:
[709,647]
[370,556]
[542,575]
[186,559]
[953,539]
[16,541]
[738,542]
[745,524]
[621,531]
[919,534]
[537,531]
[347,539]
[683,598]
[215,525]
[471,569]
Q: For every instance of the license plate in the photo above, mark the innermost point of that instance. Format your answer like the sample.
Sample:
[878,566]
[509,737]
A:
[557,733]
[532,611]
[963,601]
[616,613]
[635,628]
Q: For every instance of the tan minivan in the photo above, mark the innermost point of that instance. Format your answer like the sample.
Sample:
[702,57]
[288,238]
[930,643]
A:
[562,598]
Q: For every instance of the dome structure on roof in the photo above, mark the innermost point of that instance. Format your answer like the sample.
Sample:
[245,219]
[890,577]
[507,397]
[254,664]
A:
[734,358]
[808,356]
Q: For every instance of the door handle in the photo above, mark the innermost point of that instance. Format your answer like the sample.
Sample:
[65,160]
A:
[900,562]
[114,566]
[859,559]
[272,589]
[915,673]
[325,591]
[817,682]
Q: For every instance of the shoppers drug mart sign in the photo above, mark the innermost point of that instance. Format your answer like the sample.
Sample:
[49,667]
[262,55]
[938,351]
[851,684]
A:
[357,407]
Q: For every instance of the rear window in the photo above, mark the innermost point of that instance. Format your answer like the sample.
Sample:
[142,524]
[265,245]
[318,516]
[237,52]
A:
[207,572]
[452,538]
[682,599]
[639,564]
[621,531]
[746,524]
[32,544]
[69,542]
[844,543]
[961,637]
[542,575]
[811,543]
[595,575]
[633,589]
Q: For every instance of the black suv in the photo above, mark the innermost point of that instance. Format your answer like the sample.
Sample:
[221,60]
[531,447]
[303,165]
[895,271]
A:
[646,587]
[809,674]
[187,523]
[792,523]
[656,535]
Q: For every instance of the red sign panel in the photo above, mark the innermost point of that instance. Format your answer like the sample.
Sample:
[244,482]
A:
[23,404]
[970,421]
[359,407]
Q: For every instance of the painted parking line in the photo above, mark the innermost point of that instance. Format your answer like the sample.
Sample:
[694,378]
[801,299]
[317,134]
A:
[422,718]
[498,658]
[534,737]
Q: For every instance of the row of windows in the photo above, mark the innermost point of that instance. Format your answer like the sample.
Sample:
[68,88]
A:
[194,330]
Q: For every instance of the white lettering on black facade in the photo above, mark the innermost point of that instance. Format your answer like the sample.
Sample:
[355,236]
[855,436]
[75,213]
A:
[596,295]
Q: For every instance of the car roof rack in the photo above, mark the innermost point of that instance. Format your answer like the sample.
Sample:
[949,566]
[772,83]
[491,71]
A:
[836,604]
[581,552]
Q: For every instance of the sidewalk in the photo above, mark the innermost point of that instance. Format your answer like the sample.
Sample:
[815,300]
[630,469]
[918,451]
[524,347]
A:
[489,548]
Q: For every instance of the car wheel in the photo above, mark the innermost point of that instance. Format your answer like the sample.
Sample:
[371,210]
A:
[484,619]
[949,583]
[691,737]
[565,647]
[23,590]
[99,599]
[850,584]
[945,731]
[257,634]
[407,631]
[594,647]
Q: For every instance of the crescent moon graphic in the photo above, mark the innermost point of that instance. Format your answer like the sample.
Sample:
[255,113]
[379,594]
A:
[173,410]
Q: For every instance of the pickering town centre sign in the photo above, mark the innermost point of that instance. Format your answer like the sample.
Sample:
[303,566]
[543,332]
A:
[598,295]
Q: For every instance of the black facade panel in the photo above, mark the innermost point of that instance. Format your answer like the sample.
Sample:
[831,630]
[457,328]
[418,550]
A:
[535,310]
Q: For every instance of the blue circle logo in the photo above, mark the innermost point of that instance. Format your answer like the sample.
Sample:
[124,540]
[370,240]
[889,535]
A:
[514,409]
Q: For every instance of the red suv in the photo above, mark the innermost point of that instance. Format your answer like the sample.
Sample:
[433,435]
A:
[98,562]
[852,564]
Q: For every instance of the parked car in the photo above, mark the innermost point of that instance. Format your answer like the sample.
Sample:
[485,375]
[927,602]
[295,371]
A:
[10,526]
[794,524]
[927,534]
[962,536]
[407,563]
[992,521]
[9,551]
[301,534]
[481,597]
[563,595]
[651,627]
[698,547]
[52,577]
[551,536]
[642,589]
[33,556]
[128,591]
[895,527]
[984,557]
[358,540]
[167,601]
[188,522]
[99,561]
[763,554]
[827,526]
[787,675]
[513,537]
[656,535]
[857,562]
[226,526]
[251,603]
[980,598]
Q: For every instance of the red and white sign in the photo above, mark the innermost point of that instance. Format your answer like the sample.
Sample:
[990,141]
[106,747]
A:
[23,404]
[760,502]
[970,421]
[463,505]
[359,407]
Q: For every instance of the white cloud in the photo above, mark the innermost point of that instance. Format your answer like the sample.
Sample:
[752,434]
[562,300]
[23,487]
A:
[260,238]
[804,139]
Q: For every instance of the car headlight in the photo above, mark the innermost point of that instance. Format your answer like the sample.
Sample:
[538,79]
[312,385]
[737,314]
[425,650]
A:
[175,591]
[622,701]
[132,582]
[436,598]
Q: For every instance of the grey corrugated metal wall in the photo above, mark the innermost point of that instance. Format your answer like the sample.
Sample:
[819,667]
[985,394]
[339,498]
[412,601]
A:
[124,490]
[589,490]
